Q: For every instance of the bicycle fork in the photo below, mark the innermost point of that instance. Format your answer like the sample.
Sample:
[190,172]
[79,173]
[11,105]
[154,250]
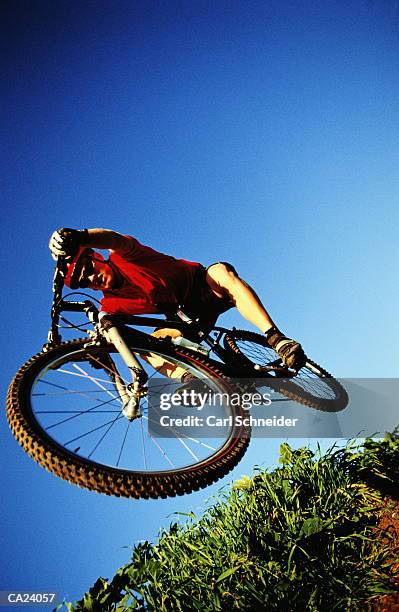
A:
[130,394]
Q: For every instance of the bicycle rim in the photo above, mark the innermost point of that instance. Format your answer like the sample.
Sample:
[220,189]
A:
[312,386]
[73,412]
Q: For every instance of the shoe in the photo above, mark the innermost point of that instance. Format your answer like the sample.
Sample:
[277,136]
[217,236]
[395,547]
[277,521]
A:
[290,351]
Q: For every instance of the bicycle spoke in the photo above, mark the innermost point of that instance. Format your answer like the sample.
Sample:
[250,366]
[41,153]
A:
[182,435]
[179,438]
[87,433]
[47,382]
[96,382]
[188,449]
[143,444]
[76,412]
[123,444]
[102,437]
[62,371]
[68,392]
[105,367]
[83,393]
[76,415]
[165,455]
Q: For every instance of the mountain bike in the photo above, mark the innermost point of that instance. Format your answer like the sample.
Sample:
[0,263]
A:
[81,408]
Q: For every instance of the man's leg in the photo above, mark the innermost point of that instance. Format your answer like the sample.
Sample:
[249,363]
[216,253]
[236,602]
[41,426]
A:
[164,367]
[225,282]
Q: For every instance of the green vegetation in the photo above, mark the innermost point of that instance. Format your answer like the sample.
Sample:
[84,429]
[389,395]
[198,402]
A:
[301,537]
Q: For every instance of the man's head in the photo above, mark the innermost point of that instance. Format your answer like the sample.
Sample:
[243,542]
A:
[89,269]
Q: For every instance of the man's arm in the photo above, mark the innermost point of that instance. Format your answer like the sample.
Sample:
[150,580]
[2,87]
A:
[99,238]
[66,241]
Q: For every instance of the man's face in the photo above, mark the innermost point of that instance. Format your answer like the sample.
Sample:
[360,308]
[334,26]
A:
[96,274]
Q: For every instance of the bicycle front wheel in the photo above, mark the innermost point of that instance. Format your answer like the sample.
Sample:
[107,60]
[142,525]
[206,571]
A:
[65,406]
[312,386]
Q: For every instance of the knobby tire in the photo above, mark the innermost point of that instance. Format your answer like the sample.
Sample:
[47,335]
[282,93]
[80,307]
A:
[102,478]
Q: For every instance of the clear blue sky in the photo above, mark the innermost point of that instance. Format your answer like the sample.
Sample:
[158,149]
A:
[261,133]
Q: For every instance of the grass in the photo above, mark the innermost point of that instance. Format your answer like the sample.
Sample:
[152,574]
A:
[301,537]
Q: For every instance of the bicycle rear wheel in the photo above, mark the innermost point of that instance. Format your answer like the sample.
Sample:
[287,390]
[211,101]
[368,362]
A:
[312,386]
[64,407]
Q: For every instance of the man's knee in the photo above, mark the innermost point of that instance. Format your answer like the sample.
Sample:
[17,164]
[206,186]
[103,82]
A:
[221,271]
[221,277]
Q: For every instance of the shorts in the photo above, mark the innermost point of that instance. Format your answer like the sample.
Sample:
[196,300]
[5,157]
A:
[203,304]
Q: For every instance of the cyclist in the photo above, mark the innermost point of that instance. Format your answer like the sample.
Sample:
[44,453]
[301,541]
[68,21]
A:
[137,279]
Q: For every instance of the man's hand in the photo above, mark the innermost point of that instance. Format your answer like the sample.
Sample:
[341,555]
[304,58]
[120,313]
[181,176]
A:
[65,242]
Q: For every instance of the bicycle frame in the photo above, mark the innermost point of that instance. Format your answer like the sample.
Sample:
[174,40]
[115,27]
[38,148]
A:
[119,322]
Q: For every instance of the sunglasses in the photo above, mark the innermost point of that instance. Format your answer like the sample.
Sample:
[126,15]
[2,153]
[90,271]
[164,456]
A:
[86,270]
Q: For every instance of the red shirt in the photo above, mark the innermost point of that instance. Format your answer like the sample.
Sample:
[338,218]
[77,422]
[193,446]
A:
[149,277]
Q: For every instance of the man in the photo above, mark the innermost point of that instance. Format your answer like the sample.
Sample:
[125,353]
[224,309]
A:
[136,279]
